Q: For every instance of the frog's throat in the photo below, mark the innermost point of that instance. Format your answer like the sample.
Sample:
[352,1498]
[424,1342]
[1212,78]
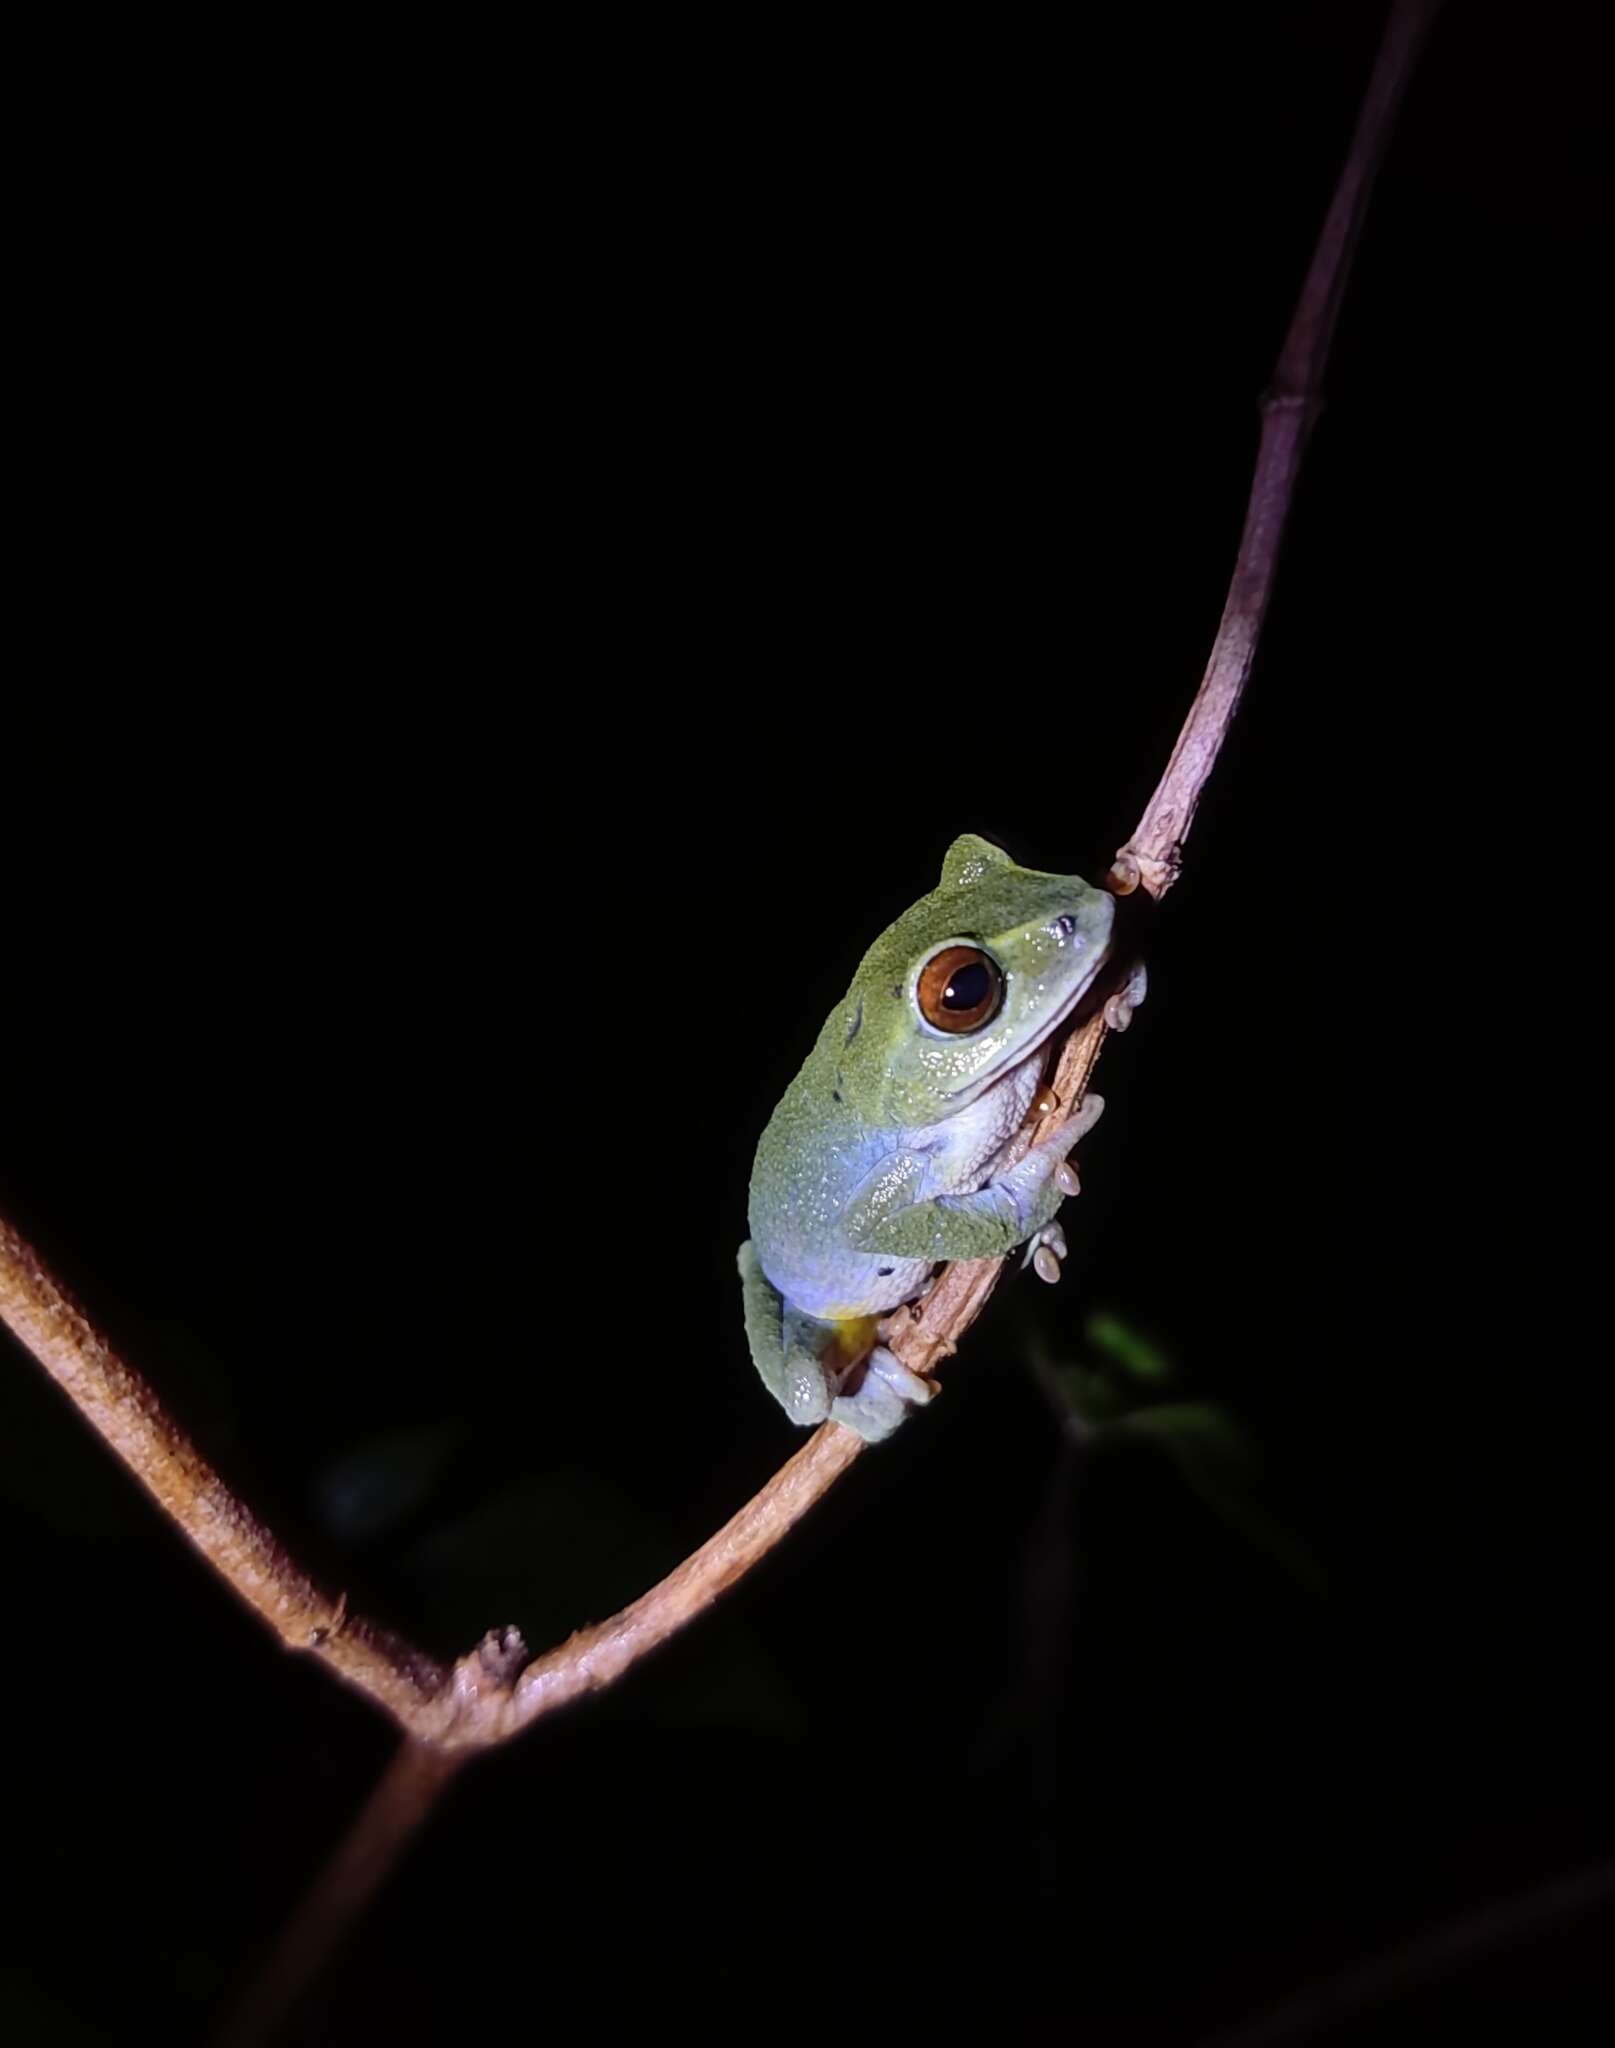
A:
[961,1098]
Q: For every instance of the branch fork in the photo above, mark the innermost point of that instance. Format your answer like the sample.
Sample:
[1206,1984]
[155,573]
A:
[495,1691]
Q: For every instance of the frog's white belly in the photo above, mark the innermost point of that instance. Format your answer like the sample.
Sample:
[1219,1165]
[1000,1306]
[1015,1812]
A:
[830,1279]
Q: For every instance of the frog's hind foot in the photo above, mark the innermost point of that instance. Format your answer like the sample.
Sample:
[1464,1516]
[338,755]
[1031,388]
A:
[883,1394]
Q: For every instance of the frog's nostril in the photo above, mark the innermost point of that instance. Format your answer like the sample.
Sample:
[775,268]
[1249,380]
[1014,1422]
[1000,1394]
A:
[1064,926]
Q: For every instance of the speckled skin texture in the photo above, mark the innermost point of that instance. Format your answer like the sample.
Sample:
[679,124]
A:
[879,1160]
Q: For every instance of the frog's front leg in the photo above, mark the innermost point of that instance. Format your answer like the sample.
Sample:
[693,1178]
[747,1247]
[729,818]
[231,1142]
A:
[805,1360]
[1012,1207]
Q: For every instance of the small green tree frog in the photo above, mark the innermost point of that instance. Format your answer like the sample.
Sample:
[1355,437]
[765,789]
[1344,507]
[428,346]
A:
[885,1153]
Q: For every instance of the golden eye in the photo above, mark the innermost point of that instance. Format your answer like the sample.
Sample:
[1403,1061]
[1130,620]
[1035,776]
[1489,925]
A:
[961,989]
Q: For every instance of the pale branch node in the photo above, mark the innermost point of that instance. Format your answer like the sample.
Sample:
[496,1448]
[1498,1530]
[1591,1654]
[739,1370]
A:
[496,1690]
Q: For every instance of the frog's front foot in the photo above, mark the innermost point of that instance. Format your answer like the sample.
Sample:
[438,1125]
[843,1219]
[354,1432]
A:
[884,1392]
[1120,1008]
[1044,1251]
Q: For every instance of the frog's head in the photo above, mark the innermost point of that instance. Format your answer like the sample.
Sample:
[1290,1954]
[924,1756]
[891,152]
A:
[963,987]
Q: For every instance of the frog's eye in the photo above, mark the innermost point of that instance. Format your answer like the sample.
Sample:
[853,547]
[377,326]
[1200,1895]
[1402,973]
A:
[960,989]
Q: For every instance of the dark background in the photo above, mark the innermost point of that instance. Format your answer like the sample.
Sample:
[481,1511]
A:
[530,557]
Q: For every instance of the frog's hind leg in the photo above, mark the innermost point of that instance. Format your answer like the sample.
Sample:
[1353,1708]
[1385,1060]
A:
[782,1349]
[805,1360]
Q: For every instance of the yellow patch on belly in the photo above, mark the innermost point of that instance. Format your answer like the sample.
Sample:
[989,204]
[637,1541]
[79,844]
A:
[855,1335]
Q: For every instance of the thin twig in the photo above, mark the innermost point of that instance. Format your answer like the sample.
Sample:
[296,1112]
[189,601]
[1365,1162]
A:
[1154,854]
[494,1692]
[1429,1957]
[114,1399]
[404,1795]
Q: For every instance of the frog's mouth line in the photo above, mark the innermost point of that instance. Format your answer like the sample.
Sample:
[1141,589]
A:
[963,1097]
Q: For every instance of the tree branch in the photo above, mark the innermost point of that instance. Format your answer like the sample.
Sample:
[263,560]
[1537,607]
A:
[118,1404]
[490,1694]
[495,1691]
[1154,854]
[401,1799]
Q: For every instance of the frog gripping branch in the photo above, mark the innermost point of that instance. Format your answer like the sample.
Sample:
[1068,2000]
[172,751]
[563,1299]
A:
[890,1151]
[907,1139]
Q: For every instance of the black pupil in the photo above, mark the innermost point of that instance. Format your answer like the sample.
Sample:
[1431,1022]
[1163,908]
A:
[968,989]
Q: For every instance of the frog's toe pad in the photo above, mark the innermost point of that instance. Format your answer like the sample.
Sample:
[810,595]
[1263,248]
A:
[1044,1251]
[908,1386]
[885,1394]
[1120,1007]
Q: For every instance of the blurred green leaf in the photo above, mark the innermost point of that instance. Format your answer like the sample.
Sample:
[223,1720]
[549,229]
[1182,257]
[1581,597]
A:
[1200,1436]
[1219,1462]
[1089,1395]
[1126,1347]
[1118,1397]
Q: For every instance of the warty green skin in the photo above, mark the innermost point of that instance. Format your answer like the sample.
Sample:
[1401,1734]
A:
[881,1157]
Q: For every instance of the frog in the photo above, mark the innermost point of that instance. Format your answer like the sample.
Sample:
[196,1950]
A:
[888,1154]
